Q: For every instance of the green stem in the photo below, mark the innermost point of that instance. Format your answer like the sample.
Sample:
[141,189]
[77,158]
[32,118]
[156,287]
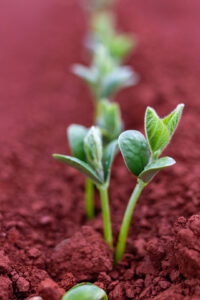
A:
[121,244]
[106,215]
[89,199]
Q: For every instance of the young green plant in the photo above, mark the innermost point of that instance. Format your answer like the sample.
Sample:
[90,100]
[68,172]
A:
[141,156]
[105,77]
[103,31]
[94,161]
[85,291]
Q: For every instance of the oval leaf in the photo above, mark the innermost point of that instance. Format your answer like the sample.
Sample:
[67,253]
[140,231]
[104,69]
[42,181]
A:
[85,291]
[154,167]
[157,133]
[80,166]
[135,151]
[172,120]
[76,135]
[108,157]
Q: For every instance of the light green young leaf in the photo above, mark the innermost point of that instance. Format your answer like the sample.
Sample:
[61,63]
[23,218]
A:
[85,291]
[79,165]
[156,131]
[109,120]
[119,78]
[121,45]
[108,157]
[172,120]
[90,75]
[94,150]
[135,150]
[154,167]
[76,135]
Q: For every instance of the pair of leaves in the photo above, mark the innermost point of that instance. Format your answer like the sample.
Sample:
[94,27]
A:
[135,148]
[105,76]
[77,134]
[85,291]
[109,120]
[159,131]
[135,151]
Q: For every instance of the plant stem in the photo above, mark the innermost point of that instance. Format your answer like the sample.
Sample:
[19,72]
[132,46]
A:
[106,215]
[121,244]
[89,199]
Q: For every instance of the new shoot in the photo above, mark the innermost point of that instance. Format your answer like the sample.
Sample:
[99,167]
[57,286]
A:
[85,291]
[105,77]
[94,161]
[141,156]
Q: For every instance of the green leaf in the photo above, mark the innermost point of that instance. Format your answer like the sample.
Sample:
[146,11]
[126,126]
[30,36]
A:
[108,157]
[154,167]
[119,78]
[172,120]
[85,291]
[76,135]
[94,150]
[121,45]
[90,75]
[135,151]
[80,166]
[109,120]
[157,133]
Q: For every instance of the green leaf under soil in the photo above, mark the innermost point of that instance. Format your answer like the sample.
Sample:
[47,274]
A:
[85,291]
[154,167]
[135,150]
[80,166]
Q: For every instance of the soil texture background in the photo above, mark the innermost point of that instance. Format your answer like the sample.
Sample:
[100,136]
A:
[46,245]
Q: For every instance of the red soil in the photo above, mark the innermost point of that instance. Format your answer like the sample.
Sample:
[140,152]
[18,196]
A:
[41,201]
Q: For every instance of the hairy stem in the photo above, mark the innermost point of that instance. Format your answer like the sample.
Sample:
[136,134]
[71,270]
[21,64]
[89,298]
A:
[121,244]
[106,215]
[89,199]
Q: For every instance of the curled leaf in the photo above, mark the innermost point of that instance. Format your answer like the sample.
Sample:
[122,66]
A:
[94,150]
[108,157]
[135,151]
[76,135]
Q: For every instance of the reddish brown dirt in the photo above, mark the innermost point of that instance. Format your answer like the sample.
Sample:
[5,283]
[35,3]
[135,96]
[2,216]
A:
[41,201]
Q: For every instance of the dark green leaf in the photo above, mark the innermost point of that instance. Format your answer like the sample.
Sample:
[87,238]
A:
[154,167]
[80,166]
[156,131]
[76,135]
[85,291]
[135,151]
[108,157]
[172,120]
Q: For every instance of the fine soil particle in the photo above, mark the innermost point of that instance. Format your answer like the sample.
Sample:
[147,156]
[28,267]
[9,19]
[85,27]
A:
[46,244]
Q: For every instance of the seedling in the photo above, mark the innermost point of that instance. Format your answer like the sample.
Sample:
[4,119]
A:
[95,163]
[103,31]
[85,291]
[141,156]
[104,76]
